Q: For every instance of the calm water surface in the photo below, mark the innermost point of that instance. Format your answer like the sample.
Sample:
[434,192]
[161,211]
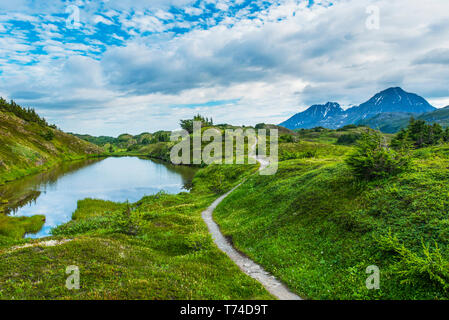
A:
[55,193]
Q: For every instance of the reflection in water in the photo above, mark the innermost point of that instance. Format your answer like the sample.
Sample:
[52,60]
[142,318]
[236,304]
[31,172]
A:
[55,193]
[26,190]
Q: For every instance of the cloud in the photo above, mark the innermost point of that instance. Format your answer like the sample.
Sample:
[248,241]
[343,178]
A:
[436,56]
[147,66]
[101,19]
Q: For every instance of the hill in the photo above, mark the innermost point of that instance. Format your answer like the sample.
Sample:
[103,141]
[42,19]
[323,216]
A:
[157,145]
[28,144]
[332,116]
[393,122]
[314,225]
[389,122]
[328,226]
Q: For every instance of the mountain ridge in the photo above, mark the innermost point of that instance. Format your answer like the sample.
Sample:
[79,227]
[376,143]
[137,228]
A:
[393,122]
[391,100]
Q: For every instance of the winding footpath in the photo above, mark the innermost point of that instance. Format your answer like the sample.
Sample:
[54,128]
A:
[248,266]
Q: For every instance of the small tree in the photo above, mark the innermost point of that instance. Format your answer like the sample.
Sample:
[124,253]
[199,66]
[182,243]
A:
[286,138]
[188,124]
[420,134]
[373,158]
[348,138]
[48,135]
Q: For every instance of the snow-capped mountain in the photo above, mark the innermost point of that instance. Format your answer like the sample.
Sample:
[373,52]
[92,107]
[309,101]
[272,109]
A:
[325,115]
[332,116]
[390,100]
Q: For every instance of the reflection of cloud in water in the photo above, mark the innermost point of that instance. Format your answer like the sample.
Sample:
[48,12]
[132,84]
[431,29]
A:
[115,179]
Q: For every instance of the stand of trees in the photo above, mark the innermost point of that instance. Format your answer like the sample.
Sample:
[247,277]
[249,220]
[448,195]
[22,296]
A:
[188,124]
[27,114]
[419,134]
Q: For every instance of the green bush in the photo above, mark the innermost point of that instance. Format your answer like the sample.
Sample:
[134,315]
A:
[48,135]
[348,138]
[415,268]
[287,138]
[287,155]
[188,124]
[347,127]
[372,158]
[421,135]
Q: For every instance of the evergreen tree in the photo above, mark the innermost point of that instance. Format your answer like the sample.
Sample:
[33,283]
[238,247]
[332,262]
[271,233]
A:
[420,134]
[27,114]
[373,158]
[188,124]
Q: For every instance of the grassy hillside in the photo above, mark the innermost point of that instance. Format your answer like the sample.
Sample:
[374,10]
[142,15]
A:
[440,116]
[157,248]
[347,135]
[28,146]
[393,122]
[388,122]
[314,225]
[157,145]
[317,227]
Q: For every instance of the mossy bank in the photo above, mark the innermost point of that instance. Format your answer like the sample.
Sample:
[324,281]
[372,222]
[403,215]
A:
[28,145]
[157,248]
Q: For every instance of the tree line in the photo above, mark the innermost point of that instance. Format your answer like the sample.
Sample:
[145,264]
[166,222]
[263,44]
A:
[27,114]
[373,158]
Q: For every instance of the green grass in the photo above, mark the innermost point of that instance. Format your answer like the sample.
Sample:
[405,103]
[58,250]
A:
[157,248]
[306,149]
[329,136]
[318,228]
[312,224]
[17,227]
[24,149]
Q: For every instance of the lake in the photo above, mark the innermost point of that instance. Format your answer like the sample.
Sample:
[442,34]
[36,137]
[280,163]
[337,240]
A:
[55,193]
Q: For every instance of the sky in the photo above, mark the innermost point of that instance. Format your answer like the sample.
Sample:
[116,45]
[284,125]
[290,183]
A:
[107,67]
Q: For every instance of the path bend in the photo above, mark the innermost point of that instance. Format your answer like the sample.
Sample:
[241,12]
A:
[248,266]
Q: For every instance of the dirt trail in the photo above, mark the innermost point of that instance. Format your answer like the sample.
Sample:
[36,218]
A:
[274,286]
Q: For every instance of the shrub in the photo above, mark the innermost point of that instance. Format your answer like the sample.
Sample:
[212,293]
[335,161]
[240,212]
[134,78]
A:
[372,158]
[421,135]
[349,138]
[188,124]
[48,135]
[287,155]
[347,127]
[428,266]
[286,138]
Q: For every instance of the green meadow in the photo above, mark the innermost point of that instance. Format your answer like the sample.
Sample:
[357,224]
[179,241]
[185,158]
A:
[341,201]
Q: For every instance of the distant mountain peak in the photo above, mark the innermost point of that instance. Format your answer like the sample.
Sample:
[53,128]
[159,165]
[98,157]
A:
[333,105]
[394,89]
[331,115]
[327,108]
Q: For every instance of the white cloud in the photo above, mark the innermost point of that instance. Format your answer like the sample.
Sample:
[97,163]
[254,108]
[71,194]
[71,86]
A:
[101,19]
[193,11]
[273,63]
[144,22]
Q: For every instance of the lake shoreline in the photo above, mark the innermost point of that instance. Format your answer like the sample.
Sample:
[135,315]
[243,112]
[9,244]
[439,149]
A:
[134,183]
